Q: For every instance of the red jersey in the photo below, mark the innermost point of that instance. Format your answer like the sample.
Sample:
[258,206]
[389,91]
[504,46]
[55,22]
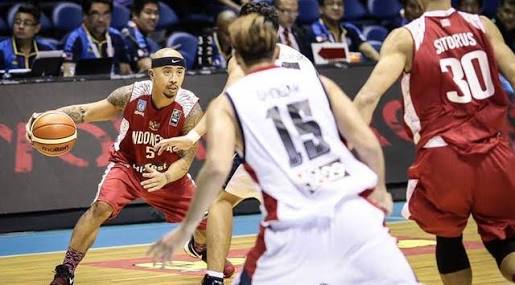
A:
[452,94]
[143,126]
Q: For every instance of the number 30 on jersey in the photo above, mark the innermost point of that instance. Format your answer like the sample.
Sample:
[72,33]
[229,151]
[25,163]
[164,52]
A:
[465,76]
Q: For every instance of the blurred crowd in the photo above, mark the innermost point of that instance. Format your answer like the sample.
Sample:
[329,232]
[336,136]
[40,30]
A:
[129,31]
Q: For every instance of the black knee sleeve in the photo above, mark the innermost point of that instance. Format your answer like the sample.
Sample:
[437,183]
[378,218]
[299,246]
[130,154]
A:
[236,161]
[451,255]
[499,249]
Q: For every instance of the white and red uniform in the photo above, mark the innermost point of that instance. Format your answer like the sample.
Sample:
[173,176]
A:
[317,227]
[239,183]
[456,111]
[142,127]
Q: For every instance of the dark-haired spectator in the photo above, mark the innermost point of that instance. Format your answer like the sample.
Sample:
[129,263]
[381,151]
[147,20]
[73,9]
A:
[145,16]
[289,33]
[21,49]
[329,28]
[95,39]
[505,21]
[470,6]
[411,10]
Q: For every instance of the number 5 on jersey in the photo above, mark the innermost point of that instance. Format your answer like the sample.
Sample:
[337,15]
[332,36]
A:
[465,76]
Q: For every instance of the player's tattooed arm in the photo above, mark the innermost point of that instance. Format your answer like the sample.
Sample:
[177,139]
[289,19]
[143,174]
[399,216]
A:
[76,112]
[179,168]
[191,121]
[102,110]
[120,97]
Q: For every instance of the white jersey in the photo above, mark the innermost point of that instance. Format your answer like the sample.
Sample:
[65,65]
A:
[292,58]
[293,146]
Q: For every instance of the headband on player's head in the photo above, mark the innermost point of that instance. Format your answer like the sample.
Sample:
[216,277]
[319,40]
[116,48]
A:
[170,60]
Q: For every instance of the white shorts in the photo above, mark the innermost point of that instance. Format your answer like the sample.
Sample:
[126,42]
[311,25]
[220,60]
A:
[243,186]
[353,248]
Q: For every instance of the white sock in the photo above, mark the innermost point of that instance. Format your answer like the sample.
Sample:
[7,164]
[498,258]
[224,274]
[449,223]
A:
[215,274]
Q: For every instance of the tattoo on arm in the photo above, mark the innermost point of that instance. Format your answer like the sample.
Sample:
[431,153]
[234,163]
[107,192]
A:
[75,112]
[120,97]
[191,121]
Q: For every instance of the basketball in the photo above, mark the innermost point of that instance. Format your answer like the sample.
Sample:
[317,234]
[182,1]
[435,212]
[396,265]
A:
[53,133]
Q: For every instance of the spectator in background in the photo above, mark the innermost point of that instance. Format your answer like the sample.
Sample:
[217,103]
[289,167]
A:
[20,50]
[330,29]
[470,6]
[95,39]
[505,21]
[410,11]
[145,16]
[222,41]
[214,45]
[289,33]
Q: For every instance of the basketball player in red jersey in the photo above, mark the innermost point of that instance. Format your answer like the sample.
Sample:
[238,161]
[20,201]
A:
[152,110]
[456,111]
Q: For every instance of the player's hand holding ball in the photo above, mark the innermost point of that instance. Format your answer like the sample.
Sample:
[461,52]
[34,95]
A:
[52,133]
[156,180]
[28,126]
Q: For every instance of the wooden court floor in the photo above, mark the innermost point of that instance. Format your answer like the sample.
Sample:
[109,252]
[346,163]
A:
[129,265]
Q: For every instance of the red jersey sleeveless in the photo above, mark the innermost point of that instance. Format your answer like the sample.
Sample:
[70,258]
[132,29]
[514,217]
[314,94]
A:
[453,91]
[143,126]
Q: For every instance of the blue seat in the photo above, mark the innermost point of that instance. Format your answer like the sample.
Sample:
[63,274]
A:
[384,9]
[308,12]
[186,44]
[354,10]
[4,29]
[167,17]
[121,16]
[67,16]
[125,3]
[375,33]
[46,24]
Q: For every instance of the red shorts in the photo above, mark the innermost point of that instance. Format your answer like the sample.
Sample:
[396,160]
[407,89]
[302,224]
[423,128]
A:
[448,187]
[120,186]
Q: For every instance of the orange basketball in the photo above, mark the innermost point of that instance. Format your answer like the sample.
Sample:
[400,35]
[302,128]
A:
[53,133]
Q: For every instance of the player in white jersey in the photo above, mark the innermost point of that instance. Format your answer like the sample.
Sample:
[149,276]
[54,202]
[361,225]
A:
[318,228]
[239,185]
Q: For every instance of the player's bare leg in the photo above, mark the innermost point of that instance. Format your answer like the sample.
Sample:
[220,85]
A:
[85,231]
[83,236]
[508,267]
[219,230]
[219,234]
[462,277]
[200,236]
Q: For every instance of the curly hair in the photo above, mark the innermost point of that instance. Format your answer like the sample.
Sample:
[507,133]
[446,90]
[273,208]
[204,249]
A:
[262,8]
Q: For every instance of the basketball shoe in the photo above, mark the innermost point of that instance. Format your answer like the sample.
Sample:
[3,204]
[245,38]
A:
[210,280]
[196,250]
[62,276]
